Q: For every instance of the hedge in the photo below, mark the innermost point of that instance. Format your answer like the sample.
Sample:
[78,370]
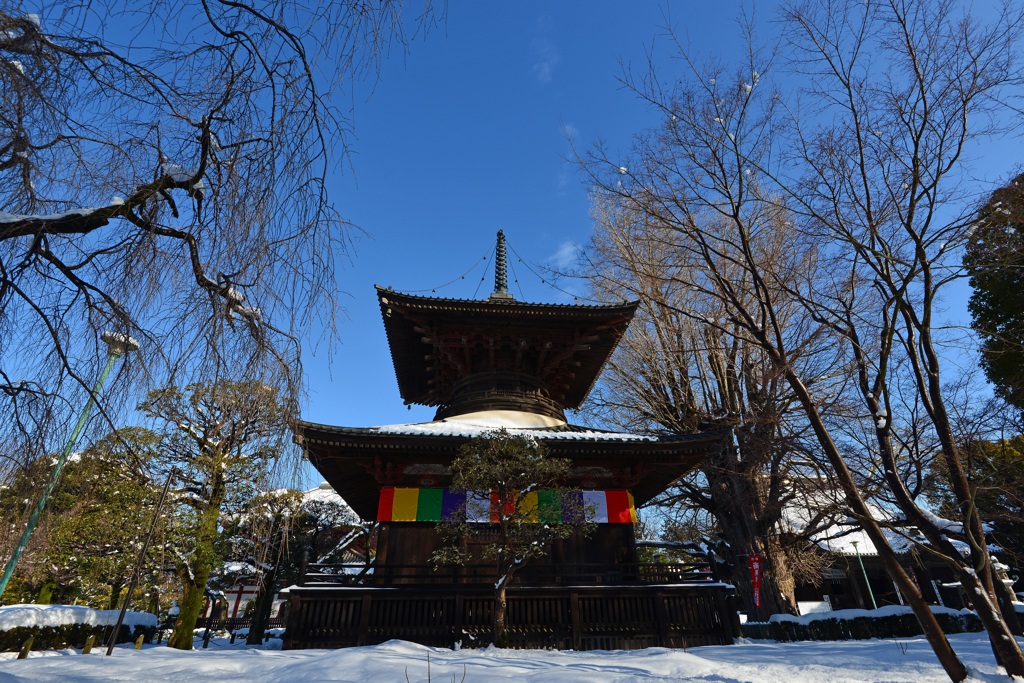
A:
[69,635]
[858,628]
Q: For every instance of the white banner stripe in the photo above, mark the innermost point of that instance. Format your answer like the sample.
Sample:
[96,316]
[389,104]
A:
[596,505]
[478,506]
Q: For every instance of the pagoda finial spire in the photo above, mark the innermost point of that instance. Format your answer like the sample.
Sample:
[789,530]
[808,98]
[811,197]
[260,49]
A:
[501,270]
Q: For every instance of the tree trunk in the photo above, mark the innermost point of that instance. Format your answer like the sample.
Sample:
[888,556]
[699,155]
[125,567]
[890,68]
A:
[261,610]
[933,632]
[501,613]
[1005,648]
[191,604]
[115,595]
[194,578]
[1005,600]
[739,509]
[154,600]
[777,584]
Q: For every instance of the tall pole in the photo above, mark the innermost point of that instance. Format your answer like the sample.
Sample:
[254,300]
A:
[138,564]
[117,346]
[867,581]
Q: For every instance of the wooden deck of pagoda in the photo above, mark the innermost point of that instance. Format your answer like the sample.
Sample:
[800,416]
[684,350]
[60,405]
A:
[568,607]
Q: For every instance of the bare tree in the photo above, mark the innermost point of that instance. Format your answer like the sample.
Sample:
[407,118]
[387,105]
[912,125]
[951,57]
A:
[850,199]
[674,371]
[162,174]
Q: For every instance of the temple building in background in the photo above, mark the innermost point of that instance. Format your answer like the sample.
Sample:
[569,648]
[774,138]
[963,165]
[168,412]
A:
[490,364]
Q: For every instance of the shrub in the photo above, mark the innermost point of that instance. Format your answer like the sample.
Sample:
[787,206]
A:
[68,635]
[858,628]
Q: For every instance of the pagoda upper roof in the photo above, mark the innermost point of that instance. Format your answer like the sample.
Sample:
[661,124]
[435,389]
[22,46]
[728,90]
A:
[437,343]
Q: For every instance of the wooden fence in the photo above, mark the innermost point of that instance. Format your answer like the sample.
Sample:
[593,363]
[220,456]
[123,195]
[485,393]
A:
[578,618]
[232,624]
[531,575]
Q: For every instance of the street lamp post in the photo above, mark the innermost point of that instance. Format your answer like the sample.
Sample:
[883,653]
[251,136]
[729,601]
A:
[864,571]
[117,346]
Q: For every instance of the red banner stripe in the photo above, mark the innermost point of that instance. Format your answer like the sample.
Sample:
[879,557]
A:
[618,507]
[387,503]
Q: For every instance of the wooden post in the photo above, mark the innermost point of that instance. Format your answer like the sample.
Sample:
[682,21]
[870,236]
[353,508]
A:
[661,614]
[238,601]
[575,619]
[732,613]
[138,641]
[364,620]
[89,642]
[727,623]
[304,566]
[460,608]
[26,647]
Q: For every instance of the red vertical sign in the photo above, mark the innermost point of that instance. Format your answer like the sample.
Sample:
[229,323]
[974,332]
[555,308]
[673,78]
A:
[755,578]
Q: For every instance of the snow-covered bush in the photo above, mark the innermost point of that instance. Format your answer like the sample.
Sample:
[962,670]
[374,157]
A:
[858,624]
[60,626]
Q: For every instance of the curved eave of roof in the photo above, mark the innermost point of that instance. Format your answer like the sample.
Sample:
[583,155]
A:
[505,306]
[447,434]
[406,352]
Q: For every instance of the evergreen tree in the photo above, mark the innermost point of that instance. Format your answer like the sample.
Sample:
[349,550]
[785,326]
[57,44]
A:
[223,436]
[996,472]
[511,468]
[85,548]
[995,262]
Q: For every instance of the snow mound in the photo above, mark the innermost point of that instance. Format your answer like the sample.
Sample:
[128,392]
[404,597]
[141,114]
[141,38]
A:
[14,616]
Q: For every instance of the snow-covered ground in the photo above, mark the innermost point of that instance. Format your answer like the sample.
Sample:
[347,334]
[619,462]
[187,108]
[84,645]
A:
[892,661]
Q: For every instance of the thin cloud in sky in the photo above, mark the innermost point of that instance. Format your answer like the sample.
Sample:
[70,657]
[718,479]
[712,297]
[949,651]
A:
[559,266]
[547,58]
[564,256]
[563,180]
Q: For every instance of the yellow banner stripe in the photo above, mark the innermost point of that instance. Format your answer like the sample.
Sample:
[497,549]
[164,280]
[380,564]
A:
[406,502]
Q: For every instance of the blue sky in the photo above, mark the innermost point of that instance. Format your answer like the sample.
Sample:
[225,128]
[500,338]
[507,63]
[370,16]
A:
[466,134]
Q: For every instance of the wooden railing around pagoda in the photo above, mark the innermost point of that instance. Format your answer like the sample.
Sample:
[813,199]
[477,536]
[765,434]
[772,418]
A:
[568,607]
[578,618]
[530,575]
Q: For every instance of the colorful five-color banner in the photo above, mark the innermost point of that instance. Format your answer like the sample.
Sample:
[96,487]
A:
[545,507]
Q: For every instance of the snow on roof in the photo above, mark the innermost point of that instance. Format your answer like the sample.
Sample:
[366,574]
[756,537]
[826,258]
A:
[323,494]
[850,539]
[839,533]
[238,568]
[844,536]
[326,495]
[516,423]
[14,616]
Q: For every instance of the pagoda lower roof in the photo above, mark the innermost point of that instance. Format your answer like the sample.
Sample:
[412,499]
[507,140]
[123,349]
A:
[351,458]
[465,430]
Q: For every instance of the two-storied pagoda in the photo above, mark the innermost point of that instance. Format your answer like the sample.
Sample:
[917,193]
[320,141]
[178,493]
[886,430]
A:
[490,364]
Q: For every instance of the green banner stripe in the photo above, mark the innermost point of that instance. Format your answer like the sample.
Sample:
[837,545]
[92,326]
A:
[428,509]
[549,506]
